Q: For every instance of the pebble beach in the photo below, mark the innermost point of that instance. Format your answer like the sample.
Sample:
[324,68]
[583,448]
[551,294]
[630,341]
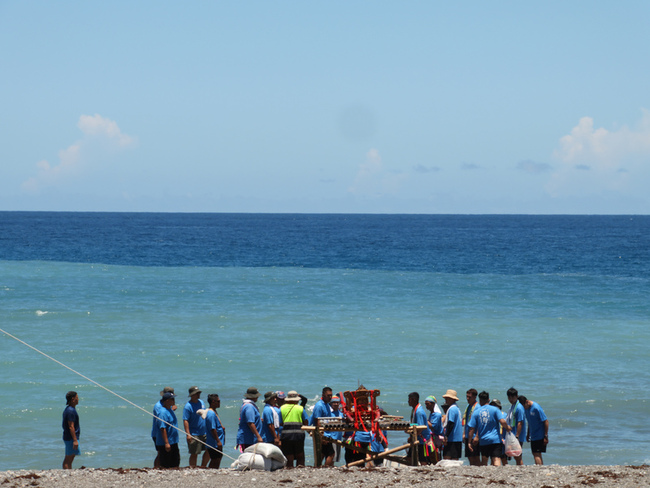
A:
[552,476]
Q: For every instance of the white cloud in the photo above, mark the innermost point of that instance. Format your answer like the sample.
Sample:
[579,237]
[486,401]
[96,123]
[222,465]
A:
[596,160]
[373,180]
[603,149]
[72,159]
[96,125]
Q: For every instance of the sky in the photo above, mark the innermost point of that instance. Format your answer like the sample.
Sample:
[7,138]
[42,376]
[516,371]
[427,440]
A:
[430,107]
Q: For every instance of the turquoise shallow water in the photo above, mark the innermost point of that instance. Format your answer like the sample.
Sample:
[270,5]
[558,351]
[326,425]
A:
[576,343]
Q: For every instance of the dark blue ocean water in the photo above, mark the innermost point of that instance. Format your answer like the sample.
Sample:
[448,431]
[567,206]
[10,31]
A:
[557,306]
[466,244]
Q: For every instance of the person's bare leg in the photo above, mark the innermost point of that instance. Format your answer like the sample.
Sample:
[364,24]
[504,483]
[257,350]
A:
[538,458]
[67,461]
[206,459]
[193,460]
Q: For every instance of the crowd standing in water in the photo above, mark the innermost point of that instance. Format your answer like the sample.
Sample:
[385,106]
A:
[481,429]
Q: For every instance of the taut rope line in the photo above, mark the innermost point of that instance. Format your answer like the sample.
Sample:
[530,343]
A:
[108,390]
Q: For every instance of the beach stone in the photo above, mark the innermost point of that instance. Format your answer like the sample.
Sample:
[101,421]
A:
[520,477]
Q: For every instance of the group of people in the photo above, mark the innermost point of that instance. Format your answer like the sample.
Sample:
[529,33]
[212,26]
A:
[481,428]
[203,428]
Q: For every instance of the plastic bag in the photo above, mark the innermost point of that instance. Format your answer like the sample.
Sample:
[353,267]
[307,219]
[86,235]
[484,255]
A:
[513,448]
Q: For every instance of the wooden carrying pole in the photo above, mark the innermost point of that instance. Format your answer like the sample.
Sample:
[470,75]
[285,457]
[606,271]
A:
[316,433]
[381,455]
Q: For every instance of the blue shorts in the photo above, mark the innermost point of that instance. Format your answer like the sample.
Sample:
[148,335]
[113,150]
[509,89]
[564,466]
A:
[70,450]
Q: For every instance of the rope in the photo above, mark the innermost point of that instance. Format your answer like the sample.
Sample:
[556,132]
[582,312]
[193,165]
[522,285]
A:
[111,391]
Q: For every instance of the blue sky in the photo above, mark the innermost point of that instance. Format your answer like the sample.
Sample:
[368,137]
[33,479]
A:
[351,106]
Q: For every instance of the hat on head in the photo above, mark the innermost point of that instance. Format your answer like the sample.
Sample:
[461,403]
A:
[495,403]
[293,397]
[281,395]
[167,389]
[451,394]
[268,396]
[194,390]
[252,394]
[167,395]
[431,399]
[335,399]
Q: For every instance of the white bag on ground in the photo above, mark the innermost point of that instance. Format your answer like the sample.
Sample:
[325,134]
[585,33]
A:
[267,450]
[248,460]
[261,456]
[449,463]
[513,448]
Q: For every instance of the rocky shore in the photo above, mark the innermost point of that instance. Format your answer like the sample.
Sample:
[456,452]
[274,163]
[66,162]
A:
[521,477]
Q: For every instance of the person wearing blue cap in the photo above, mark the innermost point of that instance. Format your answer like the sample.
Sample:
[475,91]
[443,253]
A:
[167,433]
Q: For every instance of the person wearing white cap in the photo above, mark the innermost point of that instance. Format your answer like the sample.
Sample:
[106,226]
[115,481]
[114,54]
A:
[293,437]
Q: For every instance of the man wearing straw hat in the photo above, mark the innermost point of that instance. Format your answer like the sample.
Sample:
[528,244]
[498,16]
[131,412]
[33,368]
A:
[454,430]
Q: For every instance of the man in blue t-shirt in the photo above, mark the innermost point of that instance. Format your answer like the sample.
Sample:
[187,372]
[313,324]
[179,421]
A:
[167,433]
[270,419]
[537,428]
[214,431]
[454,430]
[335,403]
[517,420]
[323,409]
[71,429]
[194,425]
[419,417]
[435,426]
[156,413]
[485,423]
[250,421]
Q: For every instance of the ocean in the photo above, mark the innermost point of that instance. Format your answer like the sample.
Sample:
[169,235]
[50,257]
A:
[556,306]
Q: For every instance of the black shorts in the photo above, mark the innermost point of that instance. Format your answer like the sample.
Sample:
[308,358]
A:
[492,450]
[293,447]
[453,450]
[214,454]
[351,456]
[474,453]
[171,459]
[538,446]
[328,449]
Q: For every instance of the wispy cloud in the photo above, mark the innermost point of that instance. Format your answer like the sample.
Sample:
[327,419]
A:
[419,168]
[533,167]
[97,130]
[469,166]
